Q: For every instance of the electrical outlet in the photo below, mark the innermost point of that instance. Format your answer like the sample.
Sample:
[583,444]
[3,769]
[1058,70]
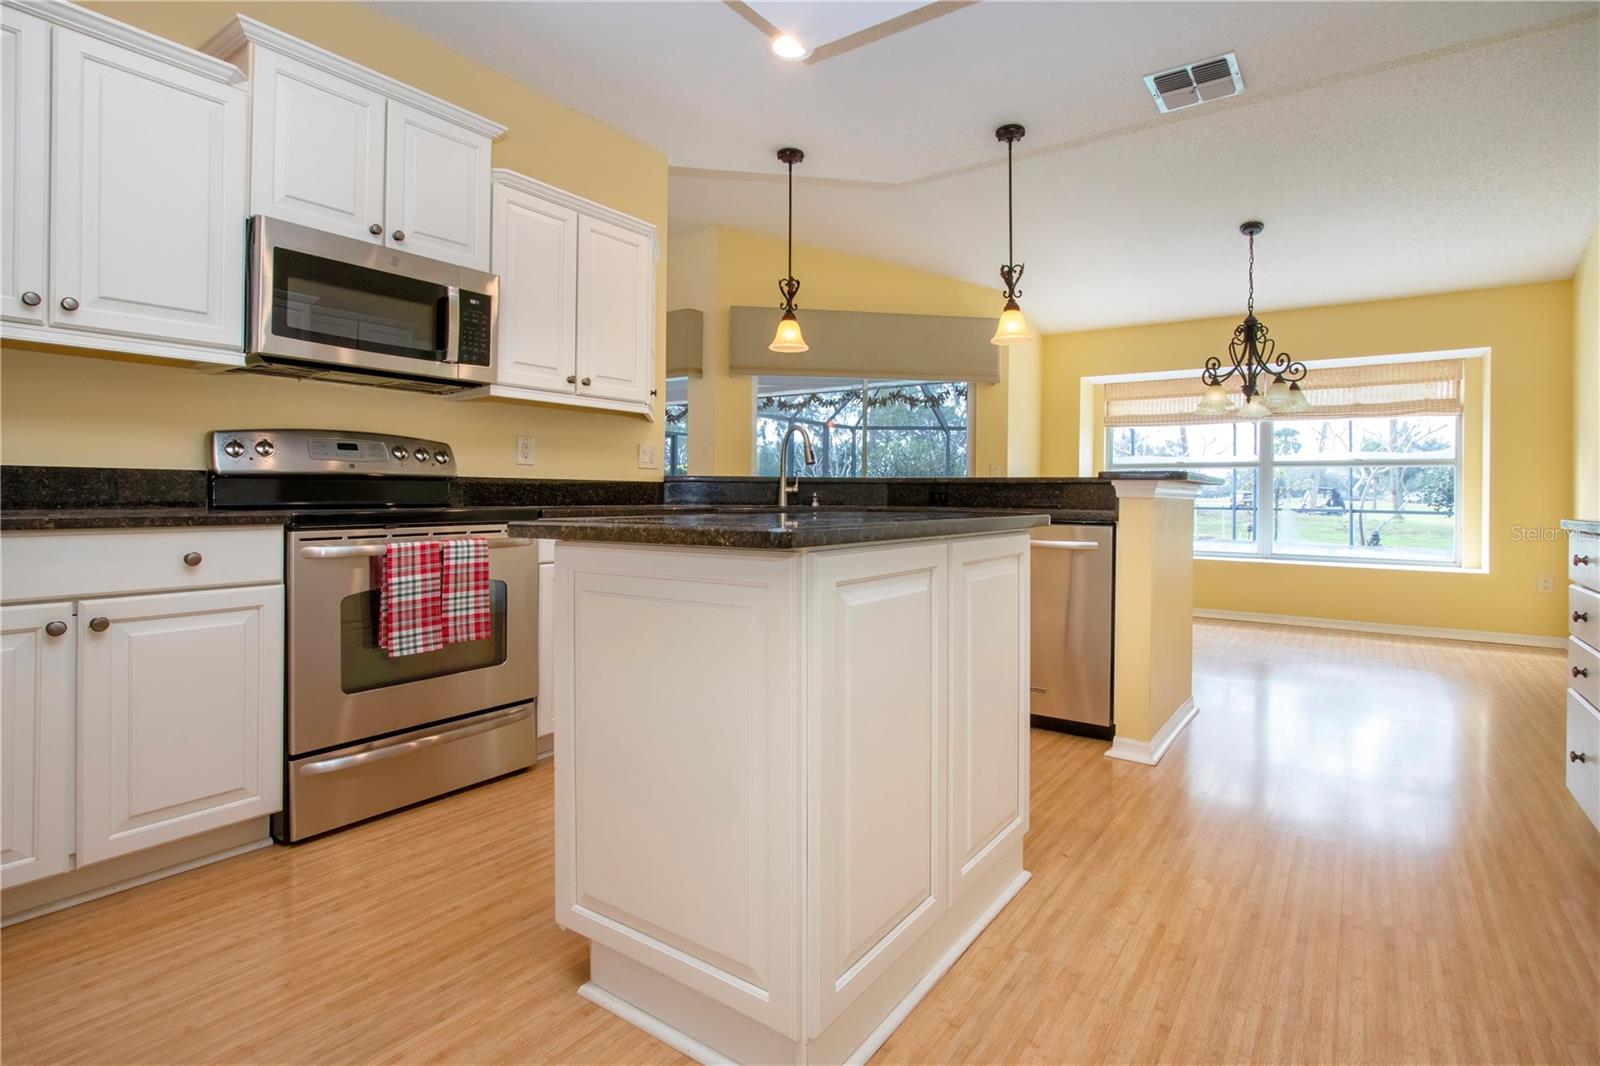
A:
[649,456]
[1547,583]
[524,451]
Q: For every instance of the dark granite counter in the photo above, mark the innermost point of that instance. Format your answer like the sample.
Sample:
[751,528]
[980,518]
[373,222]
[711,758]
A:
[132,518]
[794,530]
[1581,525]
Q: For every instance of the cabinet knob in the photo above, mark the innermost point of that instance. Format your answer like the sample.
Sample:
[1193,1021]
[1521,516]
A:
[192,559]
[56,629]
[399,234]
[1580,671]
[68,303]
[31,298]
[653,392]
[100,624]
[1580,616]
[585,381]
[376,229]
[572,379]
[1580,560]
[1577,756]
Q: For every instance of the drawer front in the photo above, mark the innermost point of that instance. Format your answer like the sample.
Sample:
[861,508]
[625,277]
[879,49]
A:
[1582,755]
[1583,614]
[1583,560]
[1583,670]
[107,562]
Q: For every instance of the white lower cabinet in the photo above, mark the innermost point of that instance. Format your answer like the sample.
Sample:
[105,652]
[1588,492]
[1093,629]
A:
[37,665]
[180,715]
[134,718]
[1583,755]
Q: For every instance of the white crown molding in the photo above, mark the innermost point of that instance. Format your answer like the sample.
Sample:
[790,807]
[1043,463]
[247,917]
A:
[84,21]
[244,30]
[1149,752]
[511,179]
[1154,488]
[1480,636]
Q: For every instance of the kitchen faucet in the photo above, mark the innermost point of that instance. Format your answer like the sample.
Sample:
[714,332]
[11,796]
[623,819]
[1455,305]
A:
[786,488]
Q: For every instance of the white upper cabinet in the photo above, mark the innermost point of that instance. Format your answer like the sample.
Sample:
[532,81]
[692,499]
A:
[616,311]
[147,194]
[36,710]
[577,319]
[25,100]
[438,188]
[318,156]
[536,245]
[343,148]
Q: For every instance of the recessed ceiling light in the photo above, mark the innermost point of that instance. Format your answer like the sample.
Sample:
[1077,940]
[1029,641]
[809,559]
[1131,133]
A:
[786,47]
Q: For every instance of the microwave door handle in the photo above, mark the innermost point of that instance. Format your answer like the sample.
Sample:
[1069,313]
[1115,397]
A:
[452,327]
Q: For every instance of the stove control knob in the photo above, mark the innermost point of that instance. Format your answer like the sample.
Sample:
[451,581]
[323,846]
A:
[265,448]
[400,453]
[441,457]
[233,449]
[420,455]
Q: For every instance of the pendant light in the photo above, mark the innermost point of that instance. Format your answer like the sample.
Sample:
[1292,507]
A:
[1013,327]
[1253,353]
[788,338]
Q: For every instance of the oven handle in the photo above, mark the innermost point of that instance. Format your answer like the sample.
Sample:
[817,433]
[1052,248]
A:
[352,551]
[392,750]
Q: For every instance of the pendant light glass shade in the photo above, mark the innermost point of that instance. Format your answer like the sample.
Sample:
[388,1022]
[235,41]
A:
[1213,402]
[1255,409]
[1299,403]
[1013,327]
[1277,397]
[788,338]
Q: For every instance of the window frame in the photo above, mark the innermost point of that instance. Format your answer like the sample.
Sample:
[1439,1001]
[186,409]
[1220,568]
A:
[865,428]
[1265,465]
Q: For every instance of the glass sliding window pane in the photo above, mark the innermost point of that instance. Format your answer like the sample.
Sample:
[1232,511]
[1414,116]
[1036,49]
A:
[830,410]
[675,448]
[1176,445]
[1225,514]
[1433,436]
[917,429]
[1366,512]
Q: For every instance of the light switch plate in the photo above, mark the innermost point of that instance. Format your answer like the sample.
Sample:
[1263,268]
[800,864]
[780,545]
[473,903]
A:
[649,456]
[524,451]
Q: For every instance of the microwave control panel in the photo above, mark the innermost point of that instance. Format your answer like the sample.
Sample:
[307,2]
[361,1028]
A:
[476,327]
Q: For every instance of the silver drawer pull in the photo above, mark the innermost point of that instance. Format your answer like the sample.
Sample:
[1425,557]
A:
[391,750]
[352,551]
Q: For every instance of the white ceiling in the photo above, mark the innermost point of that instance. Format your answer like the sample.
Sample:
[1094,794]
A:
[1392,149]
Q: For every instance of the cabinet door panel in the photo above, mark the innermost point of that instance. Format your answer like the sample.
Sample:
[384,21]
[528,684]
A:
[181,712]
[147,197]
[25,160]
[989,623]
[437,188]
[877,639]
[317,151]
[36,713]
[536,256]
[616,312]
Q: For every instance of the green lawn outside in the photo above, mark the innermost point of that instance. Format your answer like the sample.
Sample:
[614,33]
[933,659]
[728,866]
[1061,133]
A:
[1423,534]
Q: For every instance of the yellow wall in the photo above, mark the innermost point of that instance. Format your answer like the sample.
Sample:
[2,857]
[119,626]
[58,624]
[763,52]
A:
[717,268]
[1586,383]
[61,410]
[1526,439]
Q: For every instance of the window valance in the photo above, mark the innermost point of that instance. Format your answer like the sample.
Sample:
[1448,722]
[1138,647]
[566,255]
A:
[686,342]
[867,344]
[1368,390]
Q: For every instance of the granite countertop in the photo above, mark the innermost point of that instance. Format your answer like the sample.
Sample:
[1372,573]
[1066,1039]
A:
[132,518]
[1581,525]
[795,530]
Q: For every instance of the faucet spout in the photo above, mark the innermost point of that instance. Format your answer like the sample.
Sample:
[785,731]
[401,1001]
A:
[787,488]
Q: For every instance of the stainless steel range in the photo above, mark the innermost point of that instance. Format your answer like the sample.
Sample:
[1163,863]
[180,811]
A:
[367,733]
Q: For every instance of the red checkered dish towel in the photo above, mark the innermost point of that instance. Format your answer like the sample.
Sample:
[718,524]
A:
[466,591]
[410,605]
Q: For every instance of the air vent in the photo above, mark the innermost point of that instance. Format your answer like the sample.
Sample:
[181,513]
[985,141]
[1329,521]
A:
[1195,83]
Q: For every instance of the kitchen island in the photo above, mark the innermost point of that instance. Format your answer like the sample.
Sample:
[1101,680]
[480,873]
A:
[791,765]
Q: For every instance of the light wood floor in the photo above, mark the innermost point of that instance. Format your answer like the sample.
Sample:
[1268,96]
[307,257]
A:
[1361,851]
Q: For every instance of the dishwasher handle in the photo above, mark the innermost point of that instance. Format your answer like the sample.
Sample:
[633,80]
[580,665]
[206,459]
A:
[1067,545]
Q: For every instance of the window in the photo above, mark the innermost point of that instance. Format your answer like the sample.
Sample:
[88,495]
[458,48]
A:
[1371,476]
[866,428]
[675,449]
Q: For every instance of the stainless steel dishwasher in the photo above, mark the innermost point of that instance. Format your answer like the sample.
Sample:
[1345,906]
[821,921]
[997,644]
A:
[1072,623]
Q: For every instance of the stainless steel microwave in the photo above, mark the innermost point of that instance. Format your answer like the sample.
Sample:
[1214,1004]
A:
[331,307]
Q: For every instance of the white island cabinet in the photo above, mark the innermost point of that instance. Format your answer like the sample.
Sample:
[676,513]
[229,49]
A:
[806,792]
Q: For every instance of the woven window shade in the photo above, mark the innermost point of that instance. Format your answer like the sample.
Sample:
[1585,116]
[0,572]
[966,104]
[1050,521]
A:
[1432,387]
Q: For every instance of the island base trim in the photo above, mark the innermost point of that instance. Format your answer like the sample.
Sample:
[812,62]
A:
[706,1030]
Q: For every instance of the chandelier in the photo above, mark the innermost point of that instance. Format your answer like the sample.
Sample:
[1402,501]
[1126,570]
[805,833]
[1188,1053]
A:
[1253,354]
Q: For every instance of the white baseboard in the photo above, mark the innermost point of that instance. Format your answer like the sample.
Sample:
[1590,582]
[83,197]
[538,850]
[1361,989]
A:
[1481,636]
[673,1037]
[1149,752]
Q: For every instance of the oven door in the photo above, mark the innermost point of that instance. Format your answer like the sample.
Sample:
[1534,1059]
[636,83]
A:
[344,688]
[326,299]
